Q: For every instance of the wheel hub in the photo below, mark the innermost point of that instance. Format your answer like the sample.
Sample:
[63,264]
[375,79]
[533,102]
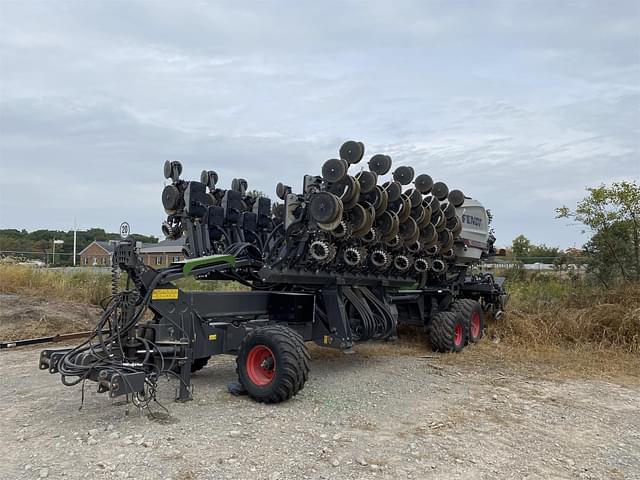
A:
[261,365]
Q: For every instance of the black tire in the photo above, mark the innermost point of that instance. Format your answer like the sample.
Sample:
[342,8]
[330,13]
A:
[199,364]
[447,332]
[470,311]
[273,363]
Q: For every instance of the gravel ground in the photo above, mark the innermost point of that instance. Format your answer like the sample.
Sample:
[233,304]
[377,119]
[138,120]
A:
[359,416]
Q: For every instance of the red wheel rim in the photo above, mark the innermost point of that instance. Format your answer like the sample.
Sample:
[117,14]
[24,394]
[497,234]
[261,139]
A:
[457,340]
[475,324]
[261,365]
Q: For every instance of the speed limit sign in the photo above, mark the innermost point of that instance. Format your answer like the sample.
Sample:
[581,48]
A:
[125,230]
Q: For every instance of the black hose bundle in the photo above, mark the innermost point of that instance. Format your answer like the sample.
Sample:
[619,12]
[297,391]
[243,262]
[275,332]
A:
[389,321]
[104,349]
[374,320]
[363,326]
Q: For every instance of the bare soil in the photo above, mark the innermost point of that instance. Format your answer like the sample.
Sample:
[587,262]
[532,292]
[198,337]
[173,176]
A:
[23,317]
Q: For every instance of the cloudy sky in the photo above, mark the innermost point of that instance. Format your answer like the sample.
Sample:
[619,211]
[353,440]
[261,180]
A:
[520,104]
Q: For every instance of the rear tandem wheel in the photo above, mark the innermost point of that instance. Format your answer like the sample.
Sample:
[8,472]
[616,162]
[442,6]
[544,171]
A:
[470,311]
[447,332]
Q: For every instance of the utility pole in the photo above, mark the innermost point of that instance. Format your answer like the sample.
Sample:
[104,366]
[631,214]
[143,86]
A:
[75,240]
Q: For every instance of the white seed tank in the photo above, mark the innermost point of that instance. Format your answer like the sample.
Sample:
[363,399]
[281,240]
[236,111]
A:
[474,238]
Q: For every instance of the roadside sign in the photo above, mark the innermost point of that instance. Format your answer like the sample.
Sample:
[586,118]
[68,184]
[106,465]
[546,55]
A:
[125,230]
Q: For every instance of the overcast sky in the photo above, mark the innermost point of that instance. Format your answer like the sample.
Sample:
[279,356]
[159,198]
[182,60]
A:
[520,104]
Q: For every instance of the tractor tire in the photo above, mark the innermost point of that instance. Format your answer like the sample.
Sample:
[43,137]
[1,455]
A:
[199,364]
[473,317]
[476,323]
[273,363]
[447,332]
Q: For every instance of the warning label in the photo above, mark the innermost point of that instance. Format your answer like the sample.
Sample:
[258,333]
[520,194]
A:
[165,294]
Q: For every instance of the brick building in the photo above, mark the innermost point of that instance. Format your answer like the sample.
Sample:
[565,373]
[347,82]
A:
[156,255]
[97,254]
[163,253]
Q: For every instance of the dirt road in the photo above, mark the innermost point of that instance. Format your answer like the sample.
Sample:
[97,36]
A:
[360,416]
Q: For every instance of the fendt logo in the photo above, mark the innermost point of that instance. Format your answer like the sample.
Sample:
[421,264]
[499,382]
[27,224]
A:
[471,220]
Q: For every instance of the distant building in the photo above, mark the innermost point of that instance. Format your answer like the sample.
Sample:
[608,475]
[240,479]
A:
[162,254]
[156,255]
[97,254]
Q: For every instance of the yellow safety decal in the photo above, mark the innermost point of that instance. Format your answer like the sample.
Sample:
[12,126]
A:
[326,340]
[165,294]
[213,337]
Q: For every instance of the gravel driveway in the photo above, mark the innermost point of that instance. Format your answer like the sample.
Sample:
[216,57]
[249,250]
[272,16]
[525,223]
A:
[360,416]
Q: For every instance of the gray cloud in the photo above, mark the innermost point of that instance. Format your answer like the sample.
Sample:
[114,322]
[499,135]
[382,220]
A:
[520,104]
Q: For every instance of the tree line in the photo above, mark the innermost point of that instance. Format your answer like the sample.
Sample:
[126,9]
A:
[523,250]
[39,243]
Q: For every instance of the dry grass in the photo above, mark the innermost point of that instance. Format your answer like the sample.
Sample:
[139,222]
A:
[551,315]
[563,329]
[82,287]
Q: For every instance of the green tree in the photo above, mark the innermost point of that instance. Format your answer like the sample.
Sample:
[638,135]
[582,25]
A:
[612,214]
[526,252]
[520,247]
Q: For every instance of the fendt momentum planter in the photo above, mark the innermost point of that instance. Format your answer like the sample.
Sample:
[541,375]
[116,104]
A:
[345,261]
